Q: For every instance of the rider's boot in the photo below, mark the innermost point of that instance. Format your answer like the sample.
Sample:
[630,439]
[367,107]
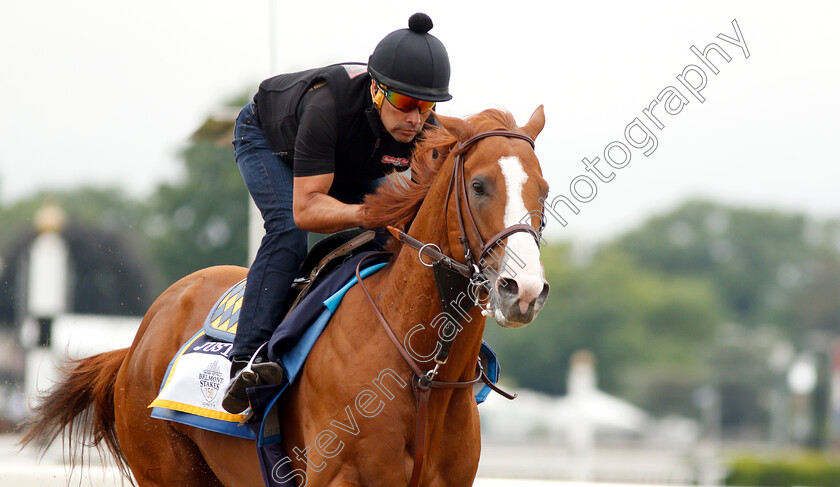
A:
[260,372]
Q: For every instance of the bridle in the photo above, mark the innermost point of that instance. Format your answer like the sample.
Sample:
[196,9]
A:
[459,183]
[451,276]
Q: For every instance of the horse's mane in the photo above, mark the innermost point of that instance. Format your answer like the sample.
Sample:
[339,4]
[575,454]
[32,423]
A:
[398,200]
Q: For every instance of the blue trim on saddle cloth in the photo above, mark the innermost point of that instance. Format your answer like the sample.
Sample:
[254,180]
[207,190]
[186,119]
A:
[183,398]
[287,335]
[493,371]
[231,428]
[264,398]
[301,330]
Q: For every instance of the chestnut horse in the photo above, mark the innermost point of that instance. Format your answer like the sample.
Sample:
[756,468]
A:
[337,429]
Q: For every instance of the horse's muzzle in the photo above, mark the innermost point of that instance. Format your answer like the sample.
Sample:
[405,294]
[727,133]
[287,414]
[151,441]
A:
[519,300]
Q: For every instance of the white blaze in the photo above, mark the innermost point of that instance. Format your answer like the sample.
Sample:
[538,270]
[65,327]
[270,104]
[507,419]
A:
[522,254]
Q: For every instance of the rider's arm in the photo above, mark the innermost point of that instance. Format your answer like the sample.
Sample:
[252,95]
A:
[316,211]
[314,169]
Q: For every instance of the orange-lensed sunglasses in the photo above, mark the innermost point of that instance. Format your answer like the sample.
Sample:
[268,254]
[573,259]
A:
[405,103]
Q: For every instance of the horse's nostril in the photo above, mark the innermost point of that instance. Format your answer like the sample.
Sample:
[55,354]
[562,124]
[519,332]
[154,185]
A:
[508,287]
[544,294]
[540,300]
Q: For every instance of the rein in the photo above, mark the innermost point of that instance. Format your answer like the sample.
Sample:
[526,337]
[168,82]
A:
[424,382]
[450,276]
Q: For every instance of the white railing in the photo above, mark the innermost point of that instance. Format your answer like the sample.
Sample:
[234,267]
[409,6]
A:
[60,476]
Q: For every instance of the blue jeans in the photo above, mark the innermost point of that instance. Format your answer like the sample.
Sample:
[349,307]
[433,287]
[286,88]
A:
[283,248]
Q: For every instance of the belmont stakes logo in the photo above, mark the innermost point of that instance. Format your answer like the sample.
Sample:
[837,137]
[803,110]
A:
[210,381]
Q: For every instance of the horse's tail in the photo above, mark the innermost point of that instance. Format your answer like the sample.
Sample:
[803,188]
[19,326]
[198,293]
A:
[82,406]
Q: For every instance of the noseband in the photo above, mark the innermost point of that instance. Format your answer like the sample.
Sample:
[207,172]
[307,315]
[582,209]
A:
[450,275]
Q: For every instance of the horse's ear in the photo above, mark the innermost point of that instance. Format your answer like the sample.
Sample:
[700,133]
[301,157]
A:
[455,126]
[535,124]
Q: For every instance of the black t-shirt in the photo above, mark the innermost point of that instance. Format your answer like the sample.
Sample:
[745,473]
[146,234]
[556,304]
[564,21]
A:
[323,121]
[317,139]
[317,134]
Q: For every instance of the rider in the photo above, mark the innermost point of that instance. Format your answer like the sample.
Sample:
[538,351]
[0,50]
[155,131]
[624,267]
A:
[310,146]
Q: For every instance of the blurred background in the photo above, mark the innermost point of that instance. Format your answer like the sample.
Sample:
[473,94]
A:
[692,334]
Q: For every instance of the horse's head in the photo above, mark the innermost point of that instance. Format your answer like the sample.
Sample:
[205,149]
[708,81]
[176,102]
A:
[498,207]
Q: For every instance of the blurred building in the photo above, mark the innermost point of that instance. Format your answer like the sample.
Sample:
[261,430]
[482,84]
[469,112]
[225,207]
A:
[586,435]
[57,275]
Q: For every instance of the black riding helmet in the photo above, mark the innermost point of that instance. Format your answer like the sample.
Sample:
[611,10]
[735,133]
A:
[412,62]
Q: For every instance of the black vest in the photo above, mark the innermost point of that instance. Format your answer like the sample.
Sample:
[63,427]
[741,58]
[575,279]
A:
[363,150]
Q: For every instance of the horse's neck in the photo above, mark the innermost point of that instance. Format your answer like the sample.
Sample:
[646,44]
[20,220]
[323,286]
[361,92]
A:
[410,301]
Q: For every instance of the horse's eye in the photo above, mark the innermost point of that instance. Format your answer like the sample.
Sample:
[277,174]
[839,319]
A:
[478,188]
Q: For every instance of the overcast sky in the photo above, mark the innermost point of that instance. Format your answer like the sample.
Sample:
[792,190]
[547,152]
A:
[105,93]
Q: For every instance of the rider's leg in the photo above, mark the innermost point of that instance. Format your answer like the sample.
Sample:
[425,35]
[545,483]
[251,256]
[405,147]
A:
[269,181]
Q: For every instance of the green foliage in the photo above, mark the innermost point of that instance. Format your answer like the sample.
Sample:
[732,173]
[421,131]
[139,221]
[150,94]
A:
[765,267]
[185,226]
[623,314]
[652,305]
[203,220]
[753,258]
[812,470]
[108,209]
